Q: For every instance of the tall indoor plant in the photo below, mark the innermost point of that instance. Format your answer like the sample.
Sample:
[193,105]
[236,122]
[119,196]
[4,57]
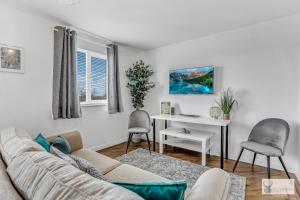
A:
[138,83]
[226,103]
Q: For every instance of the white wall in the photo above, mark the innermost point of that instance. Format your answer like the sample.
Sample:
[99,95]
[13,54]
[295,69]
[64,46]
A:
[25,99]
[260,63]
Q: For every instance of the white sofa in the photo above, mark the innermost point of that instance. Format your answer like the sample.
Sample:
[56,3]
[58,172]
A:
[27,171]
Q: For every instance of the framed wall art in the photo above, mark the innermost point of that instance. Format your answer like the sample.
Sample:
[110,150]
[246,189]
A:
[11,59]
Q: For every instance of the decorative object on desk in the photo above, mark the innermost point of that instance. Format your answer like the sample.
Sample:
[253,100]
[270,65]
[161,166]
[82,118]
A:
[165,108]
[172,110]
[226,103]
[215,112]
[186,131]
[138,83]
[199,80]
[11,59]
[189,115]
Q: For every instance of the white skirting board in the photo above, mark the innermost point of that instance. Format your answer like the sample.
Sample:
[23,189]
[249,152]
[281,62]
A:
[109,144]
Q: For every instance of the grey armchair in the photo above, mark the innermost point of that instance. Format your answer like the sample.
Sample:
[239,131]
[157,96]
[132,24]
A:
[268,137]
[139,123]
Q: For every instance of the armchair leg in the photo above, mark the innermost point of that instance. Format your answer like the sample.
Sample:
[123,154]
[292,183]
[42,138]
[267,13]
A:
[238,159]
[129,140]
[253,159]
[283,165]
[269,167]
[149,146]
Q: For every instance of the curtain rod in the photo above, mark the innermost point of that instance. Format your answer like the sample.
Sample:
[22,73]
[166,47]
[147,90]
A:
[97,43]
[88,33]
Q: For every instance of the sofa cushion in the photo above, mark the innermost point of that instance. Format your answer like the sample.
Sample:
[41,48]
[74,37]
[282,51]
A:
[14,141]
[41,140]
[40,175]
[212,184]
[73,137]
[103,163]
[63,156]
[158,191]
[62,144]
[130,174]
[7,190]
[87,167]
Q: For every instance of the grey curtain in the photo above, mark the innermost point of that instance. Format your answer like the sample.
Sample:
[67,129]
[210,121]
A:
[114,94]
[65,102]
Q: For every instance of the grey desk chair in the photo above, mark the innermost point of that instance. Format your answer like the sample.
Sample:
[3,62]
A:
[139,123]
[269,138]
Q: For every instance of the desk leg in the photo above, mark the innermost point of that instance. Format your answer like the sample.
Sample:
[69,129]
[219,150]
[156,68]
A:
[153,124]
[226,141]
[222,148]
[166,126]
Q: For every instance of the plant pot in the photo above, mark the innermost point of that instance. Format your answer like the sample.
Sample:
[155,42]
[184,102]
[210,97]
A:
[136,138]
[138,107]
[226,116]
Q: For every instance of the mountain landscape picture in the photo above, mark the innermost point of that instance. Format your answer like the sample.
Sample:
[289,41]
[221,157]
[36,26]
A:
[199,80]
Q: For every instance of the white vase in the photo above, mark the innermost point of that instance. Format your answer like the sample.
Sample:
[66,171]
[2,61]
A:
[136,138]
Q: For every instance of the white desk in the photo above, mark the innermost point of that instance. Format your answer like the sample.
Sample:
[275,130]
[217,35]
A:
[197,120]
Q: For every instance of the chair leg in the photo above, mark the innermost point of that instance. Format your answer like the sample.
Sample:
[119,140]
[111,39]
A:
[269,167]
[149,146]
[129,140]
[238,159]
[283,165]
[253,159]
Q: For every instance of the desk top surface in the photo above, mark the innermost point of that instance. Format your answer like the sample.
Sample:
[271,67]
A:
[195,120]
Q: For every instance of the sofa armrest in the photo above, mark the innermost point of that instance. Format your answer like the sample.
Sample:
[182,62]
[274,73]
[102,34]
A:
[212,184]
[73,137]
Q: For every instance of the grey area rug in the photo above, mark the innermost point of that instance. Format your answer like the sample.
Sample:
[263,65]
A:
[176,169]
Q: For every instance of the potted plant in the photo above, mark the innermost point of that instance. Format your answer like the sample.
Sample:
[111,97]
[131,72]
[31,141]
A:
[138,83]
[226,103]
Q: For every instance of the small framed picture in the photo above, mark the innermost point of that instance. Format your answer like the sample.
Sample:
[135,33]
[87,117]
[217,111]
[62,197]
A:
[165,108]
[11,59]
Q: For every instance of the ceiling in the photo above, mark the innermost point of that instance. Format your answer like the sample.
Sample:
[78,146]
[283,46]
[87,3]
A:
[149,24]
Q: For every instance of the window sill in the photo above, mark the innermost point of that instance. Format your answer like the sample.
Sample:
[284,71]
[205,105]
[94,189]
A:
[93,104]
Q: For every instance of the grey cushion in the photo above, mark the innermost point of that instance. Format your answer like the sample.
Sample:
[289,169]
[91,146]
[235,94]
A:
[261,148]
[63,156]
[87,167]
[138,130]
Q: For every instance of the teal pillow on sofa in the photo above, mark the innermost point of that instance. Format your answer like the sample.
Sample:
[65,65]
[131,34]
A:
[40,139]
[62,144]
[157,191]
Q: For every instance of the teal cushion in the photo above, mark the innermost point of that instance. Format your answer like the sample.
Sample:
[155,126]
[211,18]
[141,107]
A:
[62,144]
[157,191]
[40,139]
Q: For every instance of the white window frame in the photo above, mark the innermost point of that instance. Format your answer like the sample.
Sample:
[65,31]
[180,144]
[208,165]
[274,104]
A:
[88,82]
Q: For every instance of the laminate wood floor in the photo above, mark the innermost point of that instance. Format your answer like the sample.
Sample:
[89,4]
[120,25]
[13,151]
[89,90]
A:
[254,175]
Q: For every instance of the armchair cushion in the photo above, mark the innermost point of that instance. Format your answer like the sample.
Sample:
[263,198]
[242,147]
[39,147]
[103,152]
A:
[138,130]
[261,148]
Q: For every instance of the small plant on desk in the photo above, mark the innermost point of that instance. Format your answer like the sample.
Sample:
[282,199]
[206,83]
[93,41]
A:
[226,103]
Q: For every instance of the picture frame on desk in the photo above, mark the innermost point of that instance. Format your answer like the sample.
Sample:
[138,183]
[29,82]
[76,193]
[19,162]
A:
[165,108]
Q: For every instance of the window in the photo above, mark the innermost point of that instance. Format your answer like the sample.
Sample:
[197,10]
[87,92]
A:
[91,77]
